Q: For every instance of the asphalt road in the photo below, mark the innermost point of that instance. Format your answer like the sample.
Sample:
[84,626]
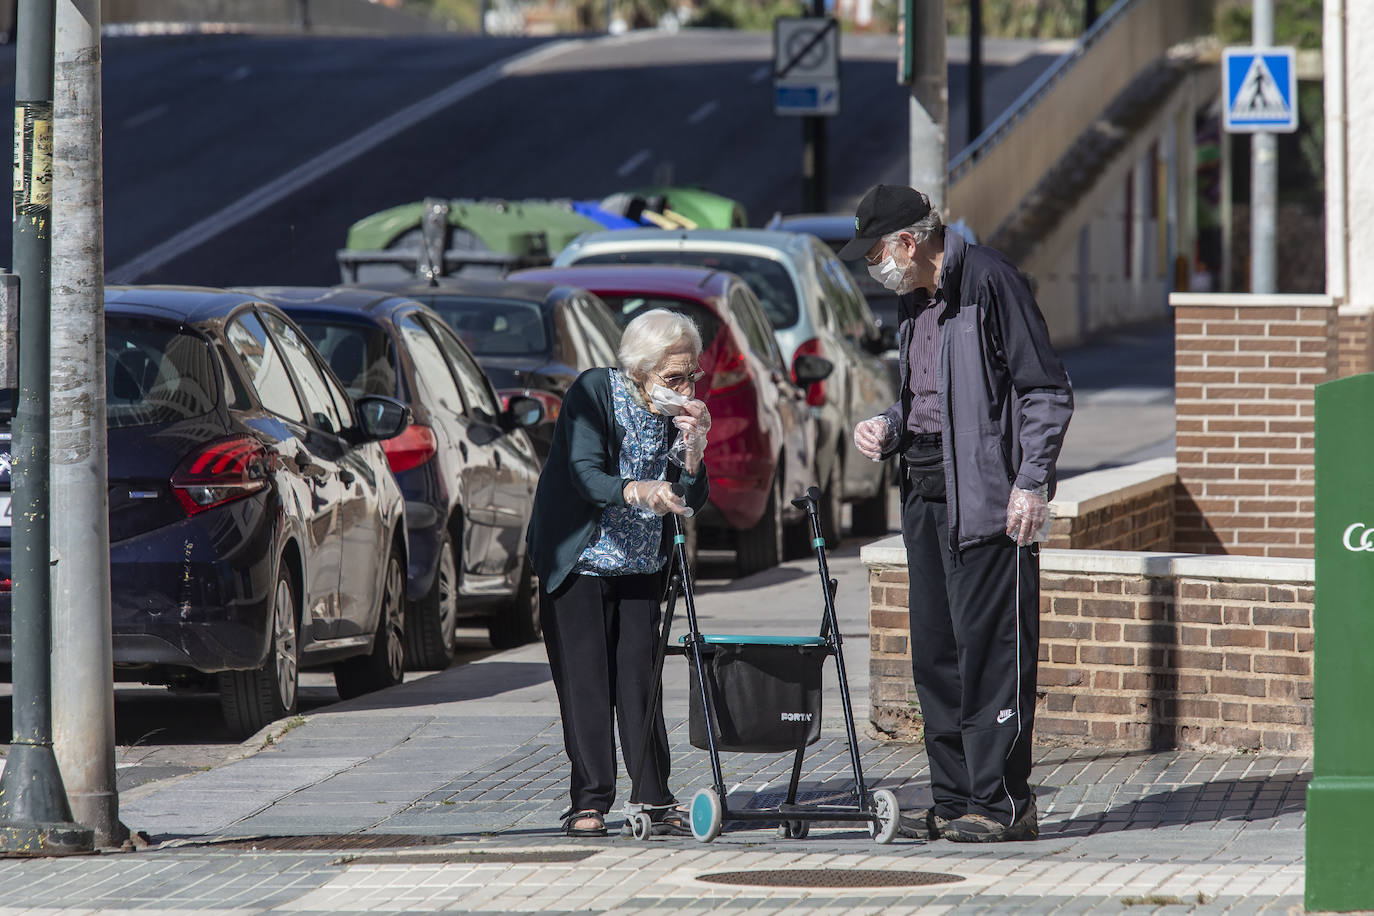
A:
[267,148]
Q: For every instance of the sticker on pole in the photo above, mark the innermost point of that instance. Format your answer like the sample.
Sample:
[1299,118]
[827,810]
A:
[1260,88]
[806,66]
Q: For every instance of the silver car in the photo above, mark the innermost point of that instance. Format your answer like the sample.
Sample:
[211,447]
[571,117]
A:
[815,308]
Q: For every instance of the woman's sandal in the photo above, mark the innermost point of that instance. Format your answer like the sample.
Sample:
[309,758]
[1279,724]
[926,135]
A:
[673,821]
[587,822]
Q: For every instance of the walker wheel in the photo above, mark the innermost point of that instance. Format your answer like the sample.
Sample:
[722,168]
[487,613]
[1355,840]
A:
[641,827]
[794,830]
[708,815]
[889,817]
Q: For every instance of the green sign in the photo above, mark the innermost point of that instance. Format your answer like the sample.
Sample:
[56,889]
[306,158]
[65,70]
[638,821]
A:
[1340,801]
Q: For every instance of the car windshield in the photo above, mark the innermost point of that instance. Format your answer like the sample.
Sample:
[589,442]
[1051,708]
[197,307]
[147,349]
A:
[494,327]
[859,271]
[768,278]
[155,373]
[626,308]
[361,355]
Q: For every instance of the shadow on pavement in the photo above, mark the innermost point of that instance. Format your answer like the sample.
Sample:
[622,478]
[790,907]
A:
[464,682]
[1201,803]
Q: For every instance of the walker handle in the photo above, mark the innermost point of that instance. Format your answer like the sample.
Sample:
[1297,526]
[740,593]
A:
[809,501]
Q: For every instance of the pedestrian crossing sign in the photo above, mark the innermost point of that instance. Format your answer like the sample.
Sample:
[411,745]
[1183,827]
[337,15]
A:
[1260,87]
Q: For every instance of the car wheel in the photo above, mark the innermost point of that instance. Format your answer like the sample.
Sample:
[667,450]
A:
[384,666]
[431,621]
[250,700]
[519,623]
[760,547]
[870,516]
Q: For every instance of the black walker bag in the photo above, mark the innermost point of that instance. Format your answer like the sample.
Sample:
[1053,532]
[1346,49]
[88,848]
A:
[765,693]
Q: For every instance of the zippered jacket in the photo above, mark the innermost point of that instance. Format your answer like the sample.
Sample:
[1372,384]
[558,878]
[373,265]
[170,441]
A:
[1005,396]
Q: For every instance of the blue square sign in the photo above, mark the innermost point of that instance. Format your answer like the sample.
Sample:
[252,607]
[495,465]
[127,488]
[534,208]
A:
[1260,89]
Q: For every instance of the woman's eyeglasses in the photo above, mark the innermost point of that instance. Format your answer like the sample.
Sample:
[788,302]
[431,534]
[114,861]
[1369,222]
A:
[677,381]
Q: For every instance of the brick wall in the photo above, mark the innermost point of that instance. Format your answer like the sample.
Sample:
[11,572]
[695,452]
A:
[1356,347]
[1128,508]
[1138,650]
[1246,367]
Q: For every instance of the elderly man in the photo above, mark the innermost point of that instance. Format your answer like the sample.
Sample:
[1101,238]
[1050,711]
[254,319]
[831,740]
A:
[984,403]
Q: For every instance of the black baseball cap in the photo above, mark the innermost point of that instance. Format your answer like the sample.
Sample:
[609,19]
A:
[884,209]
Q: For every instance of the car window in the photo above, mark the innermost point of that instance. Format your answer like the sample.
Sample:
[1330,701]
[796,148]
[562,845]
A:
[604,325]
[361,355]
[266,371]
[600,351]
[768,278]
[494,327]
[627,308]
[750,316]
[835,297]
[156,373]
[319,403]
[476,387]
[867,325]
[432,371]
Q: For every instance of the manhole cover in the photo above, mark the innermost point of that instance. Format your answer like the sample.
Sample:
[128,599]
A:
[470,858]
[331,841]
[829,877]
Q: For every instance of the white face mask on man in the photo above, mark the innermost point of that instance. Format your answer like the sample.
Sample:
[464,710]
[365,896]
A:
[887,273]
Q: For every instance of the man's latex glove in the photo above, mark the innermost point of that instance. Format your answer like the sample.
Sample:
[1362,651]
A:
[693,423]
[655,495]
[873,435]
[1027,514]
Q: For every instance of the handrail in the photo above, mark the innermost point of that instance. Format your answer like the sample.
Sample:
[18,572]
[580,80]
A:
[1027,100]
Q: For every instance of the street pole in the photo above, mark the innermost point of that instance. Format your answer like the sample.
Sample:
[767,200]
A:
[815,154]
[975,69]
[35,817]
[1264,175]
[928,110]
[83,697]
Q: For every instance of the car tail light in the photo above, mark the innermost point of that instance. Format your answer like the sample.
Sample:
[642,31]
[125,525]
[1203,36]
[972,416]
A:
[815,392]
[221,473]
[553,404]
[411,448]
[730,370]
[6,585]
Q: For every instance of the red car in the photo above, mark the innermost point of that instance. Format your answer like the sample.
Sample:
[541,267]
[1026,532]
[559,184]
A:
[761,452]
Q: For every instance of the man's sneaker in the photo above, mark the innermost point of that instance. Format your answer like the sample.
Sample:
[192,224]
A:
[922,825]
[976,828]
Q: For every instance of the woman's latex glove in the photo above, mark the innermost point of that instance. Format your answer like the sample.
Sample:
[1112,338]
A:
[1027,513]
[657,496]
[693,424]
[873,436]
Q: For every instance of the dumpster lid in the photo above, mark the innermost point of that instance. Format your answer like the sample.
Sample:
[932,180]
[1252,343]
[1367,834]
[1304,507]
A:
[754,640]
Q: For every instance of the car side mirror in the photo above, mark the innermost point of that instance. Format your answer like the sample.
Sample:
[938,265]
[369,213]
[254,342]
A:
[809,369]
[381,417]
[521,413]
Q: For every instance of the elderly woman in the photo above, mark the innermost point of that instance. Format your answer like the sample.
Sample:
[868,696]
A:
[596,539]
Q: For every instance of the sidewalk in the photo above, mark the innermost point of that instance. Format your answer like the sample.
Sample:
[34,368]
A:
[449,788]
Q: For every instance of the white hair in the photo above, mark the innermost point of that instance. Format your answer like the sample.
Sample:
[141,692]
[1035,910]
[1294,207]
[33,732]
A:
[927,228]
[652,334]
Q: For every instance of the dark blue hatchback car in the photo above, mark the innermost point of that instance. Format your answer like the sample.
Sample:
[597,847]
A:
[255,527]
[466,465]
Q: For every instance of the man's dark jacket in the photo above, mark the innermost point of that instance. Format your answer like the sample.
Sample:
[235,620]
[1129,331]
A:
[582,476]
[1005,397]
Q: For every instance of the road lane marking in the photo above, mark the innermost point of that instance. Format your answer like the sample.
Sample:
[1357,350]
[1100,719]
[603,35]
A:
[634,162]
[143,117]
[238,74]
[761,74]
[702,113]
[305,174]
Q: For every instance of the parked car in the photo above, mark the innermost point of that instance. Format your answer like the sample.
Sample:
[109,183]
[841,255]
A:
[815,309]
[465,465]
[532,339]
[835,230]
[761,450]
[255,527]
